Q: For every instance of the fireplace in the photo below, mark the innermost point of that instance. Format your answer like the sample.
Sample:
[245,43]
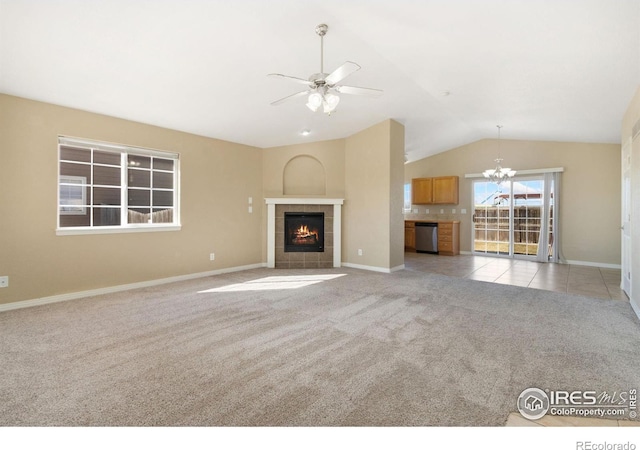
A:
[303,232]
[331,256]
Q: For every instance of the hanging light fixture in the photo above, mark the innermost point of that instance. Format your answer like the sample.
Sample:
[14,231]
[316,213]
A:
[499,174]
[320,97]
[324,88]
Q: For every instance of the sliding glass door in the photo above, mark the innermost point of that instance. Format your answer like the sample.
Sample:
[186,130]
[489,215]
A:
[516,218]
[492,218]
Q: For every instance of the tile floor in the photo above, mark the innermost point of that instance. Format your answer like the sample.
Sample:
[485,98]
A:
[572,279]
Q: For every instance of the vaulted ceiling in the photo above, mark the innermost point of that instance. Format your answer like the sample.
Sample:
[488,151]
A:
[451,70]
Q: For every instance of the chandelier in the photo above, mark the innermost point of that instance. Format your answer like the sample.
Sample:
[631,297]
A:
[499,174]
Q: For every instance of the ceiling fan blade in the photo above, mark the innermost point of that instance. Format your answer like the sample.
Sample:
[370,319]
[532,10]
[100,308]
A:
[289,97]
[295,79]
[359,91]
[341,73]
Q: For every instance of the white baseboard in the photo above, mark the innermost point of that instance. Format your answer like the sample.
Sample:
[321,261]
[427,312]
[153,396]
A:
[122,287]
[592,264]
[373,268]
[569,261]
[635,307]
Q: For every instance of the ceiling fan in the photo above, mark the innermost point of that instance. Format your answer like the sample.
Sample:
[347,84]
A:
[322,88]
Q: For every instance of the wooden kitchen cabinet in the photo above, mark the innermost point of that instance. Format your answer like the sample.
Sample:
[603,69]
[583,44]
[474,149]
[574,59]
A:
[421,191]
[410,235]
[435,191]
[449,238]
[445,190]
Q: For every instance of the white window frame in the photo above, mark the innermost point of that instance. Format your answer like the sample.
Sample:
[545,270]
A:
[124,227]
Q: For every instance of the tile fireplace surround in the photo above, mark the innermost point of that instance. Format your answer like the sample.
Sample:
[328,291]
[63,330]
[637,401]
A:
[278,258]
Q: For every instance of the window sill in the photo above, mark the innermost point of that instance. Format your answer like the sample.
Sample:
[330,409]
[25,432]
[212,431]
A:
[116,230]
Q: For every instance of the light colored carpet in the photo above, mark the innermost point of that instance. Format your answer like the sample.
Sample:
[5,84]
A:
[363,349]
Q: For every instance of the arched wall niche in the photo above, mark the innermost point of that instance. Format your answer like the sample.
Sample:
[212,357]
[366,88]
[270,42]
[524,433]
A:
[304,175]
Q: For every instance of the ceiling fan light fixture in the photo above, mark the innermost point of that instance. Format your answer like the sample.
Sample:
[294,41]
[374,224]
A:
[314,101]
[330,103]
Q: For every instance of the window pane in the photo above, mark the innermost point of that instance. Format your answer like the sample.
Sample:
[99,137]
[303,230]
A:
[106,196]
[142,162]
[75,220]
[139,197]
[75,154]
[138,215]
[74,198]
[109,176]
[103,217]
[162,198]
[407,196]
[76,170]
[163,180]
[112,159]
[162,216]
[162,164]
[139,178]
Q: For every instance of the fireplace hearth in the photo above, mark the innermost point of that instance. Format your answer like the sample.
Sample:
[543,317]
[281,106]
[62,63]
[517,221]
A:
[303,232]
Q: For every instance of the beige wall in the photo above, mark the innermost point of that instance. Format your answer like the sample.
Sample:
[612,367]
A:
[328,153]
[217,178]
[366,170]
[396,217]
[589,197]
[373,186]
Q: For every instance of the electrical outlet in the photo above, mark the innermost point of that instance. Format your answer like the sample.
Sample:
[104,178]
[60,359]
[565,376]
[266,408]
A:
[442,211]
[250,209]
[4,282]
[453,210]
[359,252]
[212,256]
[463,211]
[251,200]
[426,211]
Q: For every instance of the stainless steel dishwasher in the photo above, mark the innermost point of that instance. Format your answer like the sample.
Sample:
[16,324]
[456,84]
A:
[427,237]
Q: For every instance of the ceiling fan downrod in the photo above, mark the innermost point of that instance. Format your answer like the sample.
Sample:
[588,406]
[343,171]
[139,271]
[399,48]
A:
[321,30]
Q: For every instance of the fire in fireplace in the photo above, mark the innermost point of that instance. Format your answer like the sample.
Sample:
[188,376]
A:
[303,232]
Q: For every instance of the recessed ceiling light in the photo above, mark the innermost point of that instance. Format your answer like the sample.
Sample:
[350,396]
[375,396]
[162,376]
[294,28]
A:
[305,132]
